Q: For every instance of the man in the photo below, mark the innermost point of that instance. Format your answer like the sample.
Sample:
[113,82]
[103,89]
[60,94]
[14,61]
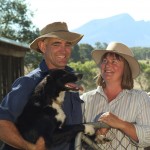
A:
[55,43]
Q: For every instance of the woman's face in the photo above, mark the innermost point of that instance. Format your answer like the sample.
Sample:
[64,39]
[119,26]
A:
[112,68]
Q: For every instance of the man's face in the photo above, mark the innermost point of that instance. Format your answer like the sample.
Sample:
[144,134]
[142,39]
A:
[56,52]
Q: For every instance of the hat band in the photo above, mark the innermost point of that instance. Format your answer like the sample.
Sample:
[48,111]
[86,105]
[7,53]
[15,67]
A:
[61,31]
[56,31]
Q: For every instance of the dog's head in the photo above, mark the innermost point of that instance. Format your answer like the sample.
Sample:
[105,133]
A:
[64,81]
[52,87]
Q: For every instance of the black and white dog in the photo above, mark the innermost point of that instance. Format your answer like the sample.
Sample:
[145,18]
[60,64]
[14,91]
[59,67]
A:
[43,114]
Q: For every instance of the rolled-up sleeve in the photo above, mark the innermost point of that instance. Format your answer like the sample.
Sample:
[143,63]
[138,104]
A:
[143,133]
[142,125]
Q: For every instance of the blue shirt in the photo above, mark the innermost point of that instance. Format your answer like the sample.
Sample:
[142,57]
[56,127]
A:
[13,103]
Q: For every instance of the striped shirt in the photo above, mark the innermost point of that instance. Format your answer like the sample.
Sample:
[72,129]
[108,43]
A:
[130,105]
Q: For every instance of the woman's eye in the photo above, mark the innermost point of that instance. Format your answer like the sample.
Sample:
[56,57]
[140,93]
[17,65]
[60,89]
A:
[115,61]
[104,61]
[56,44]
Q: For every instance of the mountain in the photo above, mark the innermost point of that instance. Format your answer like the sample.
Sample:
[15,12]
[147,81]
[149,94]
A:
[122,28]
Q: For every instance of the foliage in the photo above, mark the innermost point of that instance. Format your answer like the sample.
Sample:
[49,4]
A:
[82,52]
[15,21]
[89,71]
[16,24]
[143,79]
[32,60]
[141,53]
[85,51]
[75,55]
[99,45]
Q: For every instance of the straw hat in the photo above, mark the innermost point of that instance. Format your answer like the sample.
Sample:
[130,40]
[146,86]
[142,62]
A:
[56,30]
[121,50]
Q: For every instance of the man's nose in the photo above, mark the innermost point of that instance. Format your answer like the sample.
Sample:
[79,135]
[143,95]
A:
[63,48]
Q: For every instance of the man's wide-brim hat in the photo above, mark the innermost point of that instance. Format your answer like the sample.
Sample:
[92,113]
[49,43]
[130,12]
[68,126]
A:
[56,30]
[122,50]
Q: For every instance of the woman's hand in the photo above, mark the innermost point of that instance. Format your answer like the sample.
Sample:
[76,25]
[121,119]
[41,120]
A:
[115,122]
[112,120]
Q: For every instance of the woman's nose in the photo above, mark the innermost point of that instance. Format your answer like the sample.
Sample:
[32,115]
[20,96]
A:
[108,63]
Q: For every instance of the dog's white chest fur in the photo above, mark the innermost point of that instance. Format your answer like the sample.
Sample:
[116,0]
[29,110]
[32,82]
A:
[60,116]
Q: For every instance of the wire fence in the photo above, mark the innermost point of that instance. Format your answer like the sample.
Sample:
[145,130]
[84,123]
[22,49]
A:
[117,141]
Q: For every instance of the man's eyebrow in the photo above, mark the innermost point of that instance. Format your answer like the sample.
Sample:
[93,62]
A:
[68,42]
[56,42]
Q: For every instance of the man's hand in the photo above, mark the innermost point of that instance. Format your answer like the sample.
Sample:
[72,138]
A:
[40,145]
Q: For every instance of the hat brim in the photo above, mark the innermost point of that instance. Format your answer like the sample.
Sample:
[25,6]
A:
[133,63]
[72,37]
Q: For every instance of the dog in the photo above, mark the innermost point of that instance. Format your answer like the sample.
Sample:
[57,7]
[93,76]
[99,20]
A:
[43,115]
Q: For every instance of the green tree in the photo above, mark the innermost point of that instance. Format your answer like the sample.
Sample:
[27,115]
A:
[75,55]
[89,71]
[99,45]
[141,53]
[16,24]
[143,79]
[85,51]
[15,21]
[32,60]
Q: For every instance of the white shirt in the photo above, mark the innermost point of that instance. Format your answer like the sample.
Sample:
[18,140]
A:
[130,105]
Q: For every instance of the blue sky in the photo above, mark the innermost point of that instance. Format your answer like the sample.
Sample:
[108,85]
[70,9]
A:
[78,12]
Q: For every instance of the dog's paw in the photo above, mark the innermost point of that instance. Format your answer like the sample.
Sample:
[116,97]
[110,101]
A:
[89,129]
[101,139]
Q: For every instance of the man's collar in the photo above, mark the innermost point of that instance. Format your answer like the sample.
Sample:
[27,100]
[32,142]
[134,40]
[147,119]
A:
[43,67]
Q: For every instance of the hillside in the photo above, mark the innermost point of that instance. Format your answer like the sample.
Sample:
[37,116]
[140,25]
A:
[121,28]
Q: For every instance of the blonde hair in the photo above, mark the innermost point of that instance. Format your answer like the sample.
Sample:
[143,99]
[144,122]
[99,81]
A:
[127,80]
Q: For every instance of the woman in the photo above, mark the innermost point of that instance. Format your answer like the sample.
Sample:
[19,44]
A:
[116,103]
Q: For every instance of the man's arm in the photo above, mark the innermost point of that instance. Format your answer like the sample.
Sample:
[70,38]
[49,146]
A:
[10,135]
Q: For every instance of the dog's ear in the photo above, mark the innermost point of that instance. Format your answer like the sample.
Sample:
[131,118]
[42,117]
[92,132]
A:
[40,88]
[57,73]
[44,89]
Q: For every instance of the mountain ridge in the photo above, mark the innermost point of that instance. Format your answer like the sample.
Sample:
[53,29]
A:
[121,28]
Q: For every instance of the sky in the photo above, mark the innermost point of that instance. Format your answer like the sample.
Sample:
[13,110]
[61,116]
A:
[79,12]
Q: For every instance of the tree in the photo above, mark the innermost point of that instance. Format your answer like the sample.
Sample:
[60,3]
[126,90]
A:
[85,51]
[99,45]
[75,55]
[141,53]
[143,79]
[16,24]
[15,21]
[89,71]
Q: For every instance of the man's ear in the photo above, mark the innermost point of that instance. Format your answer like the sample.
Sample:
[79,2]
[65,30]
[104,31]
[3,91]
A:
[42,46]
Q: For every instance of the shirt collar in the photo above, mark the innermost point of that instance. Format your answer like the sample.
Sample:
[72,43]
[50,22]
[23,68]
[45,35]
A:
[101,91]
[43,67]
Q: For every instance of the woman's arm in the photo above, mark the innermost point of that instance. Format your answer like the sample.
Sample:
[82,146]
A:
[124,126]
